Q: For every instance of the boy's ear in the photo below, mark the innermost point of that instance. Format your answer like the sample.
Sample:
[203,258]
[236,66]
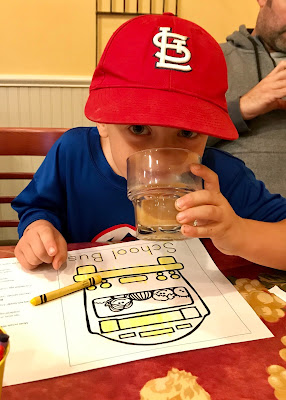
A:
[102,130]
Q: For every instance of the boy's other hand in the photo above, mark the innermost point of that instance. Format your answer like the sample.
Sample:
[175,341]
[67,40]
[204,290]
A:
[214,215]
[41,243]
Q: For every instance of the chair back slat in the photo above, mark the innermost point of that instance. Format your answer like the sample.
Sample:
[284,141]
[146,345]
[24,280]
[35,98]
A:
[28,141]
[16,175]
[8,224]
[6,199]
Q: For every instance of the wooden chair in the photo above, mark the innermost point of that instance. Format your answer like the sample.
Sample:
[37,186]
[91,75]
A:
[24,142]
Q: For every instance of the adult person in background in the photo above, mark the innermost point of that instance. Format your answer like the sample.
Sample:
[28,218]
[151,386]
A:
[256,62]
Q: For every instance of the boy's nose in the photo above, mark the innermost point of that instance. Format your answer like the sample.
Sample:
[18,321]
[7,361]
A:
[164,144]
[165,137]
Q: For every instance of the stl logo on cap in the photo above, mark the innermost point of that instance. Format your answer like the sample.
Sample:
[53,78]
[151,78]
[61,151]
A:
[179,44]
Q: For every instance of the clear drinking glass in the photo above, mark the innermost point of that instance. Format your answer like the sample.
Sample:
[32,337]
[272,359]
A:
[156,178]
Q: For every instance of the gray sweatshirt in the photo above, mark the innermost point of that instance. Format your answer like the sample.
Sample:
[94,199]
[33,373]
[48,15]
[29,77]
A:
[262,140]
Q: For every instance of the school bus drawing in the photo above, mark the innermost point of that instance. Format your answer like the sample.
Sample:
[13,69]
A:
[148,304]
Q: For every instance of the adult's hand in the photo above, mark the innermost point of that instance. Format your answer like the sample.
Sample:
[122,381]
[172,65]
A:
[267,95]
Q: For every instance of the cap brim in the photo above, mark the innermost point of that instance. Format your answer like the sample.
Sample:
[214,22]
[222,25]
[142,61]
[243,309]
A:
[145,106]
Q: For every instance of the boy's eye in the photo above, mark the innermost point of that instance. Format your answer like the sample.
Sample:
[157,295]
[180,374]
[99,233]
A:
[139,129]
[188,134]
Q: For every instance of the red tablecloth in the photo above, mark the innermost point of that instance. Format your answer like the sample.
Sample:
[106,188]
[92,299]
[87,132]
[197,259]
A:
[229,372]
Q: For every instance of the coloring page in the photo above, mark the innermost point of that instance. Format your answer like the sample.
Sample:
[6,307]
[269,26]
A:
[155,298]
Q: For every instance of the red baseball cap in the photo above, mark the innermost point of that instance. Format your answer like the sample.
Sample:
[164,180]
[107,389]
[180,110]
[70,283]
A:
[162,70]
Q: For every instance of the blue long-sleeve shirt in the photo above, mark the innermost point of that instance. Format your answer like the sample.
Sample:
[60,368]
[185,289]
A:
[78,192]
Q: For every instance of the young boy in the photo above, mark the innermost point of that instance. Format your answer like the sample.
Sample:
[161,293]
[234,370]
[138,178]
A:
[161,82]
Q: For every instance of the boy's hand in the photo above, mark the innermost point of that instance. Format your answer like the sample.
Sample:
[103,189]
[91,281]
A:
[216,218]
[41,243]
